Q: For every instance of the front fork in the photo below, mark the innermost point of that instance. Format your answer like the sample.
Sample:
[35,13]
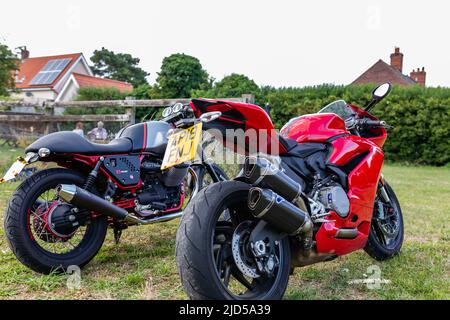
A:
[382,190]
[383,195]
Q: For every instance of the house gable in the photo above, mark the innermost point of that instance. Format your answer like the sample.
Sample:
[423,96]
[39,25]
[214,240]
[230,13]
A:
[80,66]
[30,67]
[382,72]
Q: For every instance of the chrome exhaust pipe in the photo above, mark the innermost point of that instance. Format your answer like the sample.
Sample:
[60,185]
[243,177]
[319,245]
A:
[132,219]
[85,199]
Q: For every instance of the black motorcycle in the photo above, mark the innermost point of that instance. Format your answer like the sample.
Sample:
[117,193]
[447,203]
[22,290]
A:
[59,217]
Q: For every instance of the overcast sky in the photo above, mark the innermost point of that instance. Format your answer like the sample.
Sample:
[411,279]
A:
[280,43]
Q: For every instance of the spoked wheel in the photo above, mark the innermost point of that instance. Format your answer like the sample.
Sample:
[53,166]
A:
[386,234]
[44,232]
[215,256]
[50,225]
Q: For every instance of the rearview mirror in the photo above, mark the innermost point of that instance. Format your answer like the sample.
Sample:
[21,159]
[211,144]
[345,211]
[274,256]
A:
[381,91]
[378,94]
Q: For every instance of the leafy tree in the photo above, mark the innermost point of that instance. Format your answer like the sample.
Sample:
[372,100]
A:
[147,91]
[179,75]
[118,66]
[233,85]
[8,63]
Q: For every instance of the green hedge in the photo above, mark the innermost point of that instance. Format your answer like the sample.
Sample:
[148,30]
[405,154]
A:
[420,116]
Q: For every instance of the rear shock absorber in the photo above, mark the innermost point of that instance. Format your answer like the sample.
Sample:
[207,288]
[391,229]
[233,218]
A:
[93,175]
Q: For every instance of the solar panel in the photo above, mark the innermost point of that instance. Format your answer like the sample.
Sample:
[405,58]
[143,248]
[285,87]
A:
[50,71]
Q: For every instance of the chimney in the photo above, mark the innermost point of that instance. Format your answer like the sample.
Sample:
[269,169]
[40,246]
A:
[24,53]
[397,59]
[419,76]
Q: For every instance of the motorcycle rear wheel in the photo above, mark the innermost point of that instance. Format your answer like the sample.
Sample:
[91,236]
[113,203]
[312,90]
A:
[34,248]
[207,271]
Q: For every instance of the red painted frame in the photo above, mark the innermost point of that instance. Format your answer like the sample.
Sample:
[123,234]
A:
[91,160]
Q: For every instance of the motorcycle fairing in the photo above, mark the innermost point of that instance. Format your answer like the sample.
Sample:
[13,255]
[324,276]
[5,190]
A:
[362,187]
[237,115]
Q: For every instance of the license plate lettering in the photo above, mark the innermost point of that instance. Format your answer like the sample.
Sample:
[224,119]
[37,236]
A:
[182,146]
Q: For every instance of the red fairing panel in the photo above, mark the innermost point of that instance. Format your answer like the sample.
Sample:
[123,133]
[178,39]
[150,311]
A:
[345,148]
[314,127]
[363,183]
[243,116]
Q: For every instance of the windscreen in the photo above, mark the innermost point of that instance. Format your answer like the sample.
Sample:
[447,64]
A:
[338,107]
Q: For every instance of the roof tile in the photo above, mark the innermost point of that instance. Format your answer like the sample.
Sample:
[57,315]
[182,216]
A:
[88,81]
[30,67]
[382,72]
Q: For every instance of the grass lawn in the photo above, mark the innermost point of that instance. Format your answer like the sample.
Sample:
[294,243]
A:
[143,266]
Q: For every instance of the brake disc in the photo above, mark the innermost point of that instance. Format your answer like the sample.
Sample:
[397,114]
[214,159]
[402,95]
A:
[238,247]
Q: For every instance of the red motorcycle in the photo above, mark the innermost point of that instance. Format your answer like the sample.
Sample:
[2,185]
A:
[325,197]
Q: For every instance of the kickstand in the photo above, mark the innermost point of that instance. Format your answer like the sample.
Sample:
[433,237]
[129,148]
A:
[117,234]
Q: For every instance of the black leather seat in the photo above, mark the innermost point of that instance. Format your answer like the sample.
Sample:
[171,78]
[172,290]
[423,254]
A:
[70,142]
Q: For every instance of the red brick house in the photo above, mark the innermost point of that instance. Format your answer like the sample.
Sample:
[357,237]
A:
[58,78]
[382,72]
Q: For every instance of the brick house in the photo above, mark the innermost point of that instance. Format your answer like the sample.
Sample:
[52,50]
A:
[382,72]
[57,78]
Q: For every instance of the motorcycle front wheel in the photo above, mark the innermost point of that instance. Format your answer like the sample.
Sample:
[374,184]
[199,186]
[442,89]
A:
[386,232]
[212,250]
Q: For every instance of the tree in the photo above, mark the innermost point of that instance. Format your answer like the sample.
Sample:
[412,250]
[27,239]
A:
[180,74]
[233,85]
[118,66]
[8,63]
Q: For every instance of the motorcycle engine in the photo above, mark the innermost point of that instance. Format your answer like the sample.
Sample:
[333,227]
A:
[159,192]
[334,197]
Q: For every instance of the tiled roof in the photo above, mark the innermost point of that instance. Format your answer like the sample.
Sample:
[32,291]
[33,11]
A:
[88,81]
[382,72]
[30,67]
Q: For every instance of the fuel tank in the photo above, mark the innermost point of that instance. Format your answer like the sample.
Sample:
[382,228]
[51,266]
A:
[314,127]
[150,136]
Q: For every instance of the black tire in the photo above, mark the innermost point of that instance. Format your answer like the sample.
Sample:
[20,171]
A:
[25,248]
[194,252]
[374,247]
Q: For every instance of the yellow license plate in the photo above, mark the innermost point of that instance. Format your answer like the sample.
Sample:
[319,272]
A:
[14,170]
[182,146]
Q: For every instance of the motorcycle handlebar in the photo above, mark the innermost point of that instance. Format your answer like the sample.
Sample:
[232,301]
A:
[372,123]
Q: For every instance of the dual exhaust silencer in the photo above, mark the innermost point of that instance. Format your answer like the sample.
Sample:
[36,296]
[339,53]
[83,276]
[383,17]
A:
[273,196]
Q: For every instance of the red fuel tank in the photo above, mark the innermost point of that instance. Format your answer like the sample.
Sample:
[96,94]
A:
[314,127]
